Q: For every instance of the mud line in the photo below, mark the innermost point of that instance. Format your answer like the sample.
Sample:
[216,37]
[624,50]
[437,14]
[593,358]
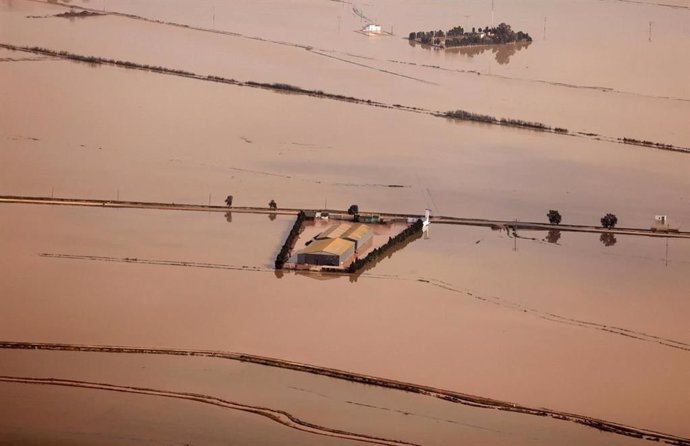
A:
[373,68]
[541,81]
[276,415]
[447,395]
[665,5]
[637,335]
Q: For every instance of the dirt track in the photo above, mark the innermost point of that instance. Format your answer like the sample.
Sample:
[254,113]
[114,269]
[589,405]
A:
[447,395]
[496,224]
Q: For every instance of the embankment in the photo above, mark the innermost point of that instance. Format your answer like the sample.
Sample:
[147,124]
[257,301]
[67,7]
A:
[447,395]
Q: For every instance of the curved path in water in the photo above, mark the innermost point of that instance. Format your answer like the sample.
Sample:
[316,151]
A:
[447,395]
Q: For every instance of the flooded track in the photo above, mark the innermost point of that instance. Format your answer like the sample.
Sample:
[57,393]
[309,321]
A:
[446,395]
[279,416]
[449,220]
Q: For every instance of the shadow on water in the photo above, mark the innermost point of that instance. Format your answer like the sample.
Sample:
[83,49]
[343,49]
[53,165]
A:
[608,239]
[553,236]
[228,217]
[502,52]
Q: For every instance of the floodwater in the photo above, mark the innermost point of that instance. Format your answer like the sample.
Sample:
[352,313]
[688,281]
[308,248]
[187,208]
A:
[445,311]
[114,127]
[607,80]
[323,401]
[574,322]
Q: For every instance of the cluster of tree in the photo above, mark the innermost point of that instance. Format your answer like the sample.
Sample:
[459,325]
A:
[469,116]
[646,143]
[380,252]
[554,217]
[457,36]
[74,14]
[284,253]
[609,221]
[273,205]
[353,209]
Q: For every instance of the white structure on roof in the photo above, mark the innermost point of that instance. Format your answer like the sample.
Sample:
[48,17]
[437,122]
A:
[661,219]
[372,28]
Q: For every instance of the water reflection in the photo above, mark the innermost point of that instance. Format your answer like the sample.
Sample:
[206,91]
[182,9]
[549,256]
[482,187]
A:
[553,236]
[272,216]
[502,53]
[608,239]
[228,217]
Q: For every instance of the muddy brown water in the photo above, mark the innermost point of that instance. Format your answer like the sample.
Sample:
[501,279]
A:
[387,323]
[126,132]
[326,402]
[605,80]
[582,325]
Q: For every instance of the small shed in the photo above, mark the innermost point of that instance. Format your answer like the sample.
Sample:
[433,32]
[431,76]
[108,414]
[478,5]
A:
[370,218]
[372,28]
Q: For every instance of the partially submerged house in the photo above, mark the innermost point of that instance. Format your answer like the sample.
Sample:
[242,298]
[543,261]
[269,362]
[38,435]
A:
[329,252]
[336,245]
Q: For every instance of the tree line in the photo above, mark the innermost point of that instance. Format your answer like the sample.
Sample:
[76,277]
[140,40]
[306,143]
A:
[378,253]
[284,253]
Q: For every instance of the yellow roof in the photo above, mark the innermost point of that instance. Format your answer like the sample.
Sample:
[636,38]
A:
[335,231]
[356,232]
[335,246]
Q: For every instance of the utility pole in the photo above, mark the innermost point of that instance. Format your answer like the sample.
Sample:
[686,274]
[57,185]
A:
[544,28]
[650,31]
[209,199]
[467,22]
[492,13]
[214,16]
[666,252]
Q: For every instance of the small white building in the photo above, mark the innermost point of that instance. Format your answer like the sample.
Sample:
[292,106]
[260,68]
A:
[660,219]
[372,28]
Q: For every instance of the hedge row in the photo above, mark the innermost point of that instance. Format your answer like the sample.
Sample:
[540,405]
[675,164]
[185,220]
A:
[393,242]
[284,253]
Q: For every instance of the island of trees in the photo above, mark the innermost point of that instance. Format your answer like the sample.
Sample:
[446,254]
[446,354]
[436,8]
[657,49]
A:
[457,36]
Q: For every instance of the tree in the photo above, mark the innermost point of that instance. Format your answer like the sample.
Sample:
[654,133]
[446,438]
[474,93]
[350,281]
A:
[354,209]
[554,217]
[413,36]
[228,201]
[609,221]
[272,204]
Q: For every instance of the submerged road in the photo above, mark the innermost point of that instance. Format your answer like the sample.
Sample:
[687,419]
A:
[495,224]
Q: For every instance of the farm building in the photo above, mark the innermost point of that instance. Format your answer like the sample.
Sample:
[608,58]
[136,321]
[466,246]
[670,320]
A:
[334,231]
[358,233]
[372,28]
[331,252]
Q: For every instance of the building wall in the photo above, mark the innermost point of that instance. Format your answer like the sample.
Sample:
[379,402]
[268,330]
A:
[323,258]
[319,259]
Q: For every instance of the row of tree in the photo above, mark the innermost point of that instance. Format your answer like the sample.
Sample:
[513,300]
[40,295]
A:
[608,221]
[380,252]
[271,204]
[284,253]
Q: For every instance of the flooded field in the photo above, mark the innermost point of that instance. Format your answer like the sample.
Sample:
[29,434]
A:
[565,78]
[434,298]
[572,323]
